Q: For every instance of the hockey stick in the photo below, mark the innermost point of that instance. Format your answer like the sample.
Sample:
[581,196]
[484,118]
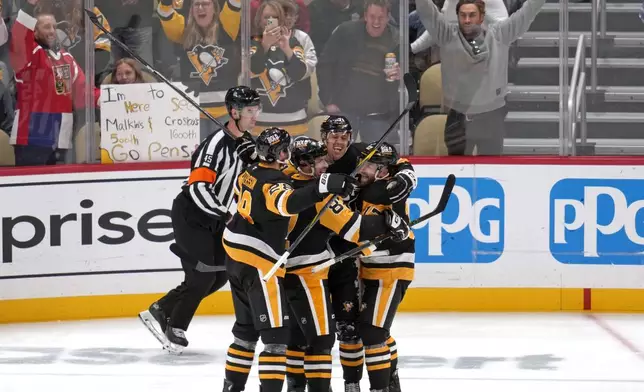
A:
[440,207]
[412,91]
[156,73]
[183,255]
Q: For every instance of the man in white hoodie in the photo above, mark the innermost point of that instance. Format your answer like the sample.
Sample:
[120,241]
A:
[475,71]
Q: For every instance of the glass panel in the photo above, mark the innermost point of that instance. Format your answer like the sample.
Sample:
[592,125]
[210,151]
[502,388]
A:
[357,47]
[615,92]
[194,46]
[46,88]
[495,92]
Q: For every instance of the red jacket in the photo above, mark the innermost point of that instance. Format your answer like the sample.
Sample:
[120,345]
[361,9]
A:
[303,20]
[49,86]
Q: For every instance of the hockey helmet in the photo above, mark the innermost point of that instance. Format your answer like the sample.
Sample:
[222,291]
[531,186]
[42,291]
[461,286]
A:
[271,142]
[333,124]
[305,149]
[385,155]
[240,97]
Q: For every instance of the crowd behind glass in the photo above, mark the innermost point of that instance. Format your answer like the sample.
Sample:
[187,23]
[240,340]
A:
[307,58]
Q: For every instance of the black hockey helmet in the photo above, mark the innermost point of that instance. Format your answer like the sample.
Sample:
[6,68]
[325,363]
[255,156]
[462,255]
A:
[271,142]
[240,97]
[385,155]
[306,149]
[335,124]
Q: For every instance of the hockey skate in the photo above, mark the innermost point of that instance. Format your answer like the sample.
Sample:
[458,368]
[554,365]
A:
[292,387]
[351,387]
[156,322]
[229,387]
[394,383]
[176,340]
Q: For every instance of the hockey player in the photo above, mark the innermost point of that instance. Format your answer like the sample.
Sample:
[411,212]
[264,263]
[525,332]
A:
[336,134]
[267,209]
[199,214]
[309,362]
[385,273]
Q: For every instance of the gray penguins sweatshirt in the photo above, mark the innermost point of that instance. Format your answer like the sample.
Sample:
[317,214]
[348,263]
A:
[475,77]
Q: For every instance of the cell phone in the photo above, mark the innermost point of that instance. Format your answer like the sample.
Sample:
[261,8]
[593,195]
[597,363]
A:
[271,22]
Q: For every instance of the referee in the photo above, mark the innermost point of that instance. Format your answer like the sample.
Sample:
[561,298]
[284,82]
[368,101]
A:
[199,215]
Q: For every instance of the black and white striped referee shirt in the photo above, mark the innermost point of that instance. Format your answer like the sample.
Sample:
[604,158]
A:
[213,173]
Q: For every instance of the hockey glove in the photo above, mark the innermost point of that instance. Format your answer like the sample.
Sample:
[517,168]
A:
[398,227]
[337,184]
[401,185]
[354,193]
[245,147]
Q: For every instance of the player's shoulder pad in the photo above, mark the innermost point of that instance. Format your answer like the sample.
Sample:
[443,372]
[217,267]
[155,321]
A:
[402,164]
[279,187]
[289,169]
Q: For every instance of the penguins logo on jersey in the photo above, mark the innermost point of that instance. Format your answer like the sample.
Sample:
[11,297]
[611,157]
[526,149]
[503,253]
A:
[274,79]
[371,209]
[206,60]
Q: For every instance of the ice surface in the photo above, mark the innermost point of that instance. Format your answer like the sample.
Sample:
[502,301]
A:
[438,352]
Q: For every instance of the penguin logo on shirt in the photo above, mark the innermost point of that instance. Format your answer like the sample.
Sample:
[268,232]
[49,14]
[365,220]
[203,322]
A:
[206,60]
[275,81]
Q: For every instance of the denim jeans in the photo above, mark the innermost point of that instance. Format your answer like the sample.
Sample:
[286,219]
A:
[34,156]
[416,24]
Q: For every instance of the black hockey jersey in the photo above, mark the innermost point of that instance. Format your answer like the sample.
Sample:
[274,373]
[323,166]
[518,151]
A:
[350,159]
[214,67]
[391,258]
[338,219]
[267,208]
[282,86]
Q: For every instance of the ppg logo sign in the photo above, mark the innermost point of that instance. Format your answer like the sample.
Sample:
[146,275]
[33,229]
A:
[596,221]
[470,230]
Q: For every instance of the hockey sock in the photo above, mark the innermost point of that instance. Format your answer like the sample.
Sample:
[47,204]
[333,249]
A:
[296,380]
[272,371]
[378,360]
[393,350]
[352,359]
[238,363]
[317,366]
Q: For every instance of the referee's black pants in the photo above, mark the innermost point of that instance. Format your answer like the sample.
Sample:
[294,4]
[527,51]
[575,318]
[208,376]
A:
[199,236]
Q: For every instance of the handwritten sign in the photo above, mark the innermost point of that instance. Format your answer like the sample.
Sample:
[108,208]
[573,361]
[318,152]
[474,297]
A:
[147,122]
